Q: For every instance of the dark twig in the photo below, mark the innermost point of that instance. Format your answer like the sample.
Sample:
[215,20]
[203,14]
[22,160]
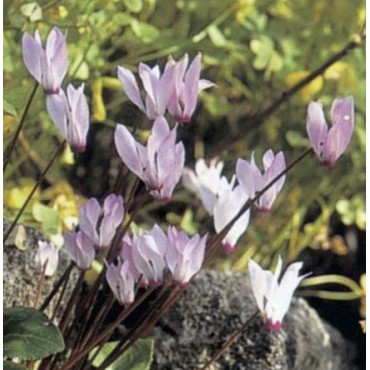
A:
[56,287]
[11,147]
[103,336]
[286,95]
[35,187]
[220,236]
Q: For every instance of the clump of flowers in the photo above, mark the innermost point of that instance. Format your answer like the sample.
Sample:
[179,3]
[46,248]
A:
[151,265]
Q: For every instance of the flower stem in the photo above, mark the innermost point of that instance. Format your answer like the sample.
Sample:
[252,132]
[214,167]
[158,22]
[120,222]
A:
[11,147]
[103,336]
[41,284]
[56,287]
[35,187]
[220,236]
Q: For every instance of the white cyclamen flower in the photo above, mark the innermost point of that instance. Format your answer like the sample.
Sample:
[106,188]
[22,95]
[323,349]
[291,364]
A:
[273,297]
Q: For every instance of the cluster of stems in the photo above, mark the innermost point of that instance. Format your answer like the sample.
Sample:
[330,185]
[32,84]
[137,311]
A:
[87,325]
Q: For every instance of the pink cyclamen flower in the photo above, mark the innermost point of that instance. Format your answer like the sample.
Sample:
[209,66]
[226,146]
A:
[252,180]
[47,66]
[70,114]
[121,281]
[49,254]
[100,223]
[183,102]
[330,143]
[159,164]
[206,182]
[158,88]
[147,254]
[184,255]
[227,206]
[80,249]
[273,297]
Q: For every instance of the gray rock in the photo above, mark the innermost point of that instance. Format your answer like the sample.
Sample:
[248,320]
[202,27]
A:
[21,277]
[216,304]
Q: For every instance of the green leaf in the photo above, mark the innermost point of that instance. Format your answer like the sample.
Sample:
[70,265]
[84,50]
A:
[8,365]
[144,31]
[138,357]
[9,108]
[47,216]
[18,96]
[29,335]
[263,48]
[296,139]
[216,36]
[134,6]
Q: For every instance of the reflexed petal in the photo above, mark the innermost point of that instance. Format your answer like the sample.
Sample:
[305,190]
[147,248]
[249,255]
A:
[47,252]
[56,51]
[316,127]
[246,174]
[80,248]
[190,93]
[32,54]
[127,150]
[113,215]
[130,86]
[89,215]
[57,106]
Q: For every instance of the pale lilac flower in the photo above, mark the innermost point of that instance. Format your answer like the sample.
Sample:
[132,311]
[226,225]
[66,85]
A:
[158,88]
[147,254]
[159,164]
[121,281]
[49,254]
[126,255]
[274,297]
[227,206]
[184,255]
[206,182]
[80,249]
[70,113]
[187,87]
[330,143]
[100,223]
[253,181]
[48,66]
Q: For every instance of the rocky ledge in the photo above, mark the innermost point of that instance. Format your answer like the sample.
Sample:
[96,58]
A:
[216,304]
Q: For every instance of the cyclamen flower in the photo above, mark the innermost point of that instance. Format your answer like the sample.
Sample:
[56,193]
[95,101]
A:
[159,164]
[184,255]
[252,180]
[70,113]
[49,254]
[330,143]
[158,88]
[274,297]
[227,206]
[48,66]
[206,182]
[187,87]
[80,249]
[146,252]
[121,281]
[100,224]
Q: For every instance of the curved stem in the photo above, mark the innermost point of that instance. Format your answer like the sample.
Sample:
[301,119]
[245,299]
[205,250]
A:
[35,187]
[11,147]
[220,236]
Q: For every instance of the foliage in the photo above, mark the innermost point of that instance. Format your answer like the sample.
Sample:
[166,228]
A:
[29,335]
[253,50]
[138,357]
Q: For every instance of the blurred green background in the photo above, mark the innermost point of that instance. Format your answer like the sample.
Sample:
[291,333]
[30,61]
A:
[253,51]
